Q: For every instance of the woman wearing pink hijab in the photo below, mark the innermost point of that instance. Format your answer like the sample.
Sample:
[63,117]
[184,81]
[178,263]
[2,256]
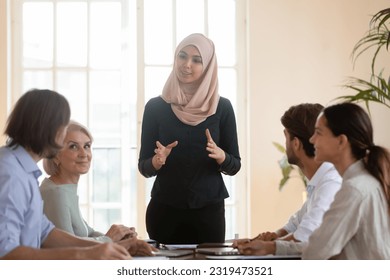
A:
[189,138]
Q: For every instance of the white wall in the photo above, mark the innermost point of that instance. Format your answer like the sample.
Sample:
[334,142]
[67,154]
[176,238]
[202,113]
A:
[299,51]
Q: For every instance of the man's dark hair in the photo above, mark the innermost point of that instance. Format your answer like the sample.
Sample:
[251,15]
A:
[299,121]
[36,119]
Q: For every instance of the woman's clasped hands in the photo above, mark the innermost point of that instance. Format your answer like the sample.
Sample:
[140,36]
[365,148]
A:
[119,232]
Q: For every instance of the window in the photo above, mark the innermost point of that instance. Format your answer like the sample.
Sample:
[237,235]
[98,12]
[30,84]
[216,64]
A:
[109,58]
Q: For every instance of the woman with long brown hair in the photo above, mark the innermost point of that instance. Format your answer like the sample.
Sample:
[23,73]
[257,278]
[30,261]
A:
[357,225]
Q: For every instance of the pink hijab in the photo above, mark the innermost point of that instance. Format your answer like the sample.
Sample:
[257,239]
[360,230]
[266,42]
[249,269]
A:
[193,103]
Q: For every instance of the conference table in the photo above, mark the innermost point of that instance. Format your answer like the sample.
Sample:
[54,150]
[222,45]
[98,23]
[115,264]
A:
[209,251]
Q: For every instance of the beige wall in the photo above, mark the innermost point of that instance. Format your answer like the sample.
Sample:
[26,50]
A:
[3,68]
[299,51]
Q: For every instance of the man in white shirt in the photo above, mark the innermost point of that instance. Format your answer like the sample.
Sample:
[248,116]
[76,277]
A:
[323,183]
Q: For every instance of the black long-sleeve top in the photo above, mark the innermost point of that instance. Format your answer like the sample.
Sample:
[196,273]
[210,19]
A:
[189,178]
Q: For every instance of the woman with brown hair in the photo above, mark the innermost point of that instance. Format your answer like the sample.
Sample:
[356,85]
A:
[357,225]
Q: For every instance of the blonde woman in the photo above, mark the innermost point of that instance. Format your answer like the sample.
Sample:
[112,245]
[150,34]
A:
[59,191]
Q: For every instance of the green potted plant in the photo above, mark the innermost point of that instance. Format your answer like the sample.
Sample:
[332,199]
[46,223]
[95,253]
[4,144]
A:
[288,171]
[377,88]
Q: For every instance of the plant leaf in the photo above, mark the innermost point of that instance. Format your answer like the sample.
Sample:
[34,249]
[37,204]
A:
[279,147]
[385,13]
[286,168]
[376,90]
[282,182]
[377,37]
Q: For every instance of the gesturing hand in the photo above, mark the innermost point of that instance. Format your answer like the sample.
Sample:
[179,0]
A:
[161,154]
[215,152]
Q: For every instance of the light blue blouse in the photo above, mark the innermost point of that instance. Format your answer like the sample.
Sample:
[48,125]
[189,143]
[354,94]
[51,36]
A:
[22,222]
